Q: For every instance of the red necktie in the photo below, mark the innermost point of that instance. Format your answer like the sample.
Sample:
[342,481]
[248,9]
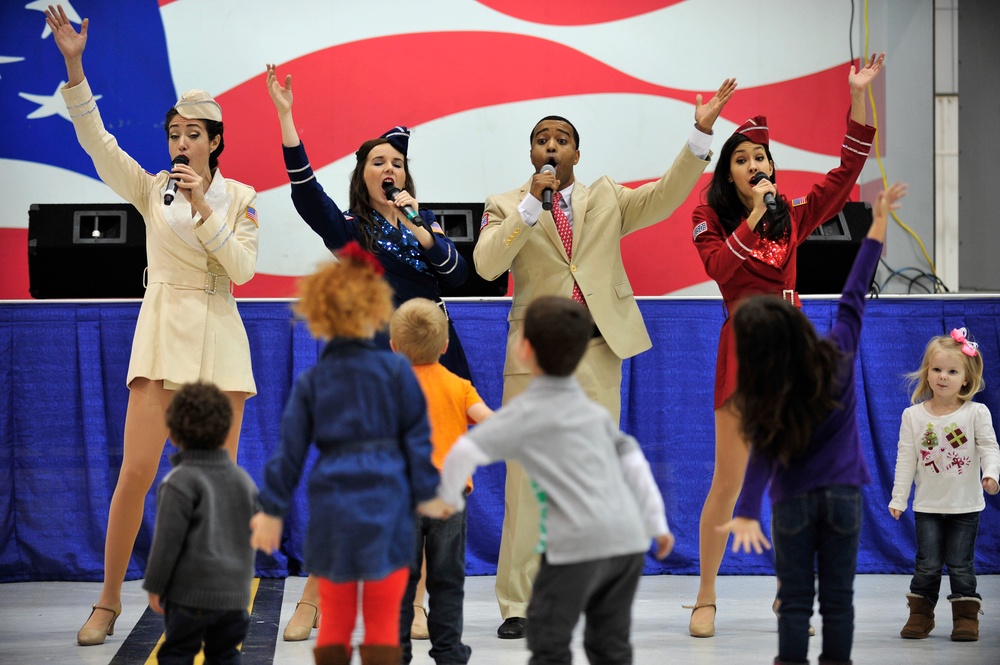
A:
[566,235]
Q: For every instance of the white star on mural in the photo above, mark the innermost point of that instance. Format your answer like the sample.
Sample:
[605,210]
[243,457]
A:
[42,5]
[49,104]
[8,59]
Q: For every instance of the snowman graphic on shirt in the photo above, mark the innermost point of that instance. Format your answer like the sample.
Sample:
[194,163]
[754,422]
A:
[947,452]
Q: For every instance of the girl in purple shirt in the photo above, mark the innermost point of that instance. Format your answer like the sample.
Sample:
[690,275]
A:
[796,398]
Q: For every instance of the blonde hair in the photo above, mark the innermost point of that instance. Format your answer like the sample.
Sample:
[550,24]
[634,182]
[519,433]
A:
[973,365]
[419,330]
[345,298]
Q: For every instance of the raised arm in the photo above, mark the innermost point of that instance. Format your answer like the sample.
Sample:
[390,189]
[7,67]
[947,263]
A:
[859,82]
[281,95]
[70,42]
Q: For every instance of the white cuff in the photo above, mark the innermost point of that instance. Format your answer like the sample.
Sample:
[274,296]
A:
[530,209]
[700,143]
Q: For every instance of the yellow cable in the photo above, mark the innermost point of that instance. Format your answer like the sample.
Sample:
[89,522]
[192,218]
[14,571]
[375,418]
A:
[885,180]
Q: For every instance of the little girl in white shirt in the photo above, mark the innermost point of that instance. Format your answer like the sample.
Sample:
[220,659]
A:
[948,449]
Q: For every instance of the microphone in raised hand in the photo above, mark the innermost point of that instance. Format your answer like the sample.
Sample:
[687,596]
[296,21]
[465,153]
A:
[391,192]
[768,196]
[168,196]
[547,192]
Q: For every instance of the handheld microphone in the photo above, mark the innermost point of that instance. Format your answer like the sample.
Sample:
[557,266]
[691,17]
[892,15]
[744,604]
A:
[768,197]
[168,196]
[391,192]
[547,192]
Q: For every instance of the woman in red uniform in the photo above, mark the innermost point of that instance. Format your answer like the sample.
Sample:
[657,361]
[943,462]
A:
[748,247]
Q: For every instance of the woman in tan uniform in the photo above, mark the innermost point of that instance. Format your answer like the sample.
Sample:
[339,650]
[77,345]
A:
[188,326]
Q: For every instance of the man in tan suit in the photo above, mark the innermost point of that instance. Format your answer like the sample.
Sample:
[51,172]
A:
[518,235]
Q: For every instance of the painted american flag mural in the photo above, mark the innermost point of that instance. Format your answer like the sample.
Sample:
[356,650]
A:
[469,77]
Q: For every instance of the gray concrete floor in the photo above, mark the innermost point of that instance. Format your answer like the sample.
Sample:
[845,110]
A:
[38,623]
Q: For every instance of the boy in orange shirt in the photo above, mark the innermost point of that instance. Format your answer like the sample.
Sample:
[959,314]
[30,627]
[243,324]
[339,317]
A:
[419,331]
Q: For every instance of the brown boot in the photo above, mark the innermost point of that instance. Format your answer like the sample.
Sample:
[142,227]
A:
[333,654]
[965,617]
[921,621]
[380,654]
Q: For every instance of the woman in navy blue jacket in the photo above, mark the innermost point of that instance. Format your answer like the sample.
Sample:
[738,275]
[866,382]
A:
[416,254]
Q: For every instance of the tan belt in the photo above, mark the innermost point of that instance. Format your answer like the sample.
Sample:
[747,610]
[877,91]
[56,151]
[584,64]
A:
[209,282]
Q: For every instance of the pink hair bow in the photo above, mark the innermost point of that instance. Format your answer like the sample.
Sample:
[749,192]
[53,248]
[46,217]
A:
[968,348]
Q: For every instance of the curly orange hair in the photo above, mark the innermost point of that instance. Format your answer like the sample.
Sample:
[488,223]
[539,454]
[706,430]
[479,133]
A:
[346,298]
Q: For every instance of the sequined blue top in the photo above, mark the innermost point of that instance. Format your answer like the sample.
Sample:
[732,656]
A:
[400,243]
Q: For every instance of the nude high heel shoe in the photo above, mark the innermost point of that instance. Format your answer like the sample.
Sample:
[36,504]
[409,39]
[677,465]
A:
[418,630]
[298,632]
[704,628]
[88,637]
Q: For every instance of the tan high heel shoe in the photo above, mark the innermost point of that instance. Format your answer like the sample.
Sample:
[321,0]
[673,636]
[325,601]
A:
[88,637]
[418,630]
[704,628]
[295,632]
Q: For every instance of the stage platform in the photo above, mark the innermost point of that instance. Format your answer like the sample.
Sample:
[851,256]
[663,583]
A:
[39,620]
[63,397]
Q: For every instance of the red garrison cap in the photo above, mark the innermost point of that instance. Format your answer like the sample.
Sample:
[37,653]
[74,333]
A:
[755,129]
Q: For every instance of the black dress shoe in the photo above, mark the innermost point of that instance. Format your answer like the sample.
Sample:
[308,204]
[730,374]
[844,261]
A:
[511,629]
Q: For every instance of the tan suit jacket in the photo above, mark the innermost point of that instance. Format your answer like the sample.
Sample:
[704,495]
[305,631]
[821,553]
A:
[603,214]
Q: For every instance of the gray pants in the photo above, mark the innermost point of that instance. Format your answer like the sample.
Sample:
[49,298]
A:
[602,590]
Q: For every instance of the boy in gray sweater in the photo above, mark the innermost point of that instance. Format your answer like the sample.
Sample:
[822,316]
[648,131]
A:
[600,505]
[201,564]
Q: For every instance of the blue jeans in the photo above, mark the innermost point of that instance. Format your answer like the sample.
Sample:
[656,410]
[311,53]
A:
[187,627]
[817,532]
[945,540]
[443,541]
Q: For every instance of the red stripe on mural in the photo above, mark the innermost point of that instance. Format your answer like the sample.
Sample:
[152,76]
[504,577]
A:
[14,259]
[575,13]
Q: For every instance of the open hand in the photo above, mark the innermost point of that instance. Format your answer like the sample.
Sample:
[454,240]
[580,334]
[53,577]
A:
[281,95]
[859,80]
[746,534]
[70,42]
[885,202]
[706,115]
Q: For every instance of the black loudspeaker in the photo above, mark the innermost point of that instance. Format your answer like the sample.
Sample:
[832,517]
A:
[461,222]
[825,258]
[85,250]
